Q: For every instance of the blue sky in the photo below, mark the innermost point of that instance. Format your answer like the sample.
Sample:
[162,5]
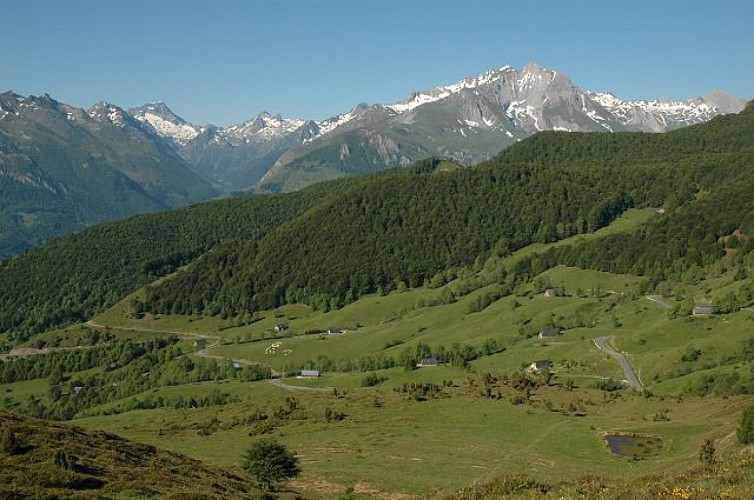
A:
[223,62]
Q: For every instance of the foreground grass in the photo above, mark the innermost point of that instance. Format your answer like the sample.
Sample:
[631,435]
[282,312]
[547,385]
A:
[388,442]
[58,461]
[732,478]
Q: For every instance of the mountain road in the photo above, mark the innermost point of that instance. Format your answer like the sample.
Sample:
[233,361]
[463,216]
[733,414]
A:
[631,378]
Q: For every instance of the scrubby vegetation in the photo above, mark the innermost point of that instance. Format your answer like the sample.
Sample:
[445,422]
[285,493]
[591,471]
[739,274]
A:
[731,479]
[81,379]
[67,462]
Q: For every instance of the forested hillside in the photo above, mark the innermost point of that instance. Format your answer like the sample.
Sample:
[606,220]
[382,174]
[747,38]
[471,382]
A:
[71,278]
[401,231]
[328,244]
[397,231]
[719,140]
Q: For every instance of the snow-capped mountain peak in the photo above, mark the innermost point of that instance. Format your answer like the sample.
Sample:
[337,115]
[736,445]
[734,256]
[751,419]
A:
[661,114]
[497,107]
[264,125]
[104,111]
[328,125]
[166,123]
[422,97]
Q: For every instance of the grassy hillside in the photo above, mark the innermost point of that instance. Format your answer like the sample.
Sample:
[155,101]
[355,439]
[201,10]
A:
[732,478]
[436,430]
[59,461]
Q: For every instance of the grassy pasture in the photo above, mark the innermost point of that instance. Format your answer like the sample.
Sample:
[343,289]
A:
[388,442]
[442,444]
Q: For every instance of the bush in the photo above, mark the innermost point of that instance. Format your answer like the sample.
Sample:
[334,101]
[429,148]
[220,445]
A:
[372,379]
[746,428]
[9,443]
[268,461]
[707,453]
[608,385]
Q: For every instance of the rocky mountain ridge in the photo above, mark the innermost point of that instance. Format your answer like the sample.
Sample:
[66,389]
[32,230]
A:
[63,168]
[468,121]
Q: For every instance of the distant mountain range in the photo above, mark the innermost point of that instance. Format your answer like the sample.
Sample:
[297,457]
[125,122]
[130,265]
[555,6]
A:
[468,121]
[63,168]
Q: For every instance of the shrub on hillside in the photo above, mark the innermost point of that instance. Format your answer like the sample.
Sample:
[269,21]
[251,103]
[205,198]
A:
[746,427]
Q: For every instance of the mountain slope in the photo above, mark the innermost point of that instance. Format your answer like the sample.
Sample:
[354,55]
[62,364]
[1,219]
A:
[233,157]
[468,121]
[62,169]
[475,118]
[330,243]
[73,277]
[59,461]
[408,229]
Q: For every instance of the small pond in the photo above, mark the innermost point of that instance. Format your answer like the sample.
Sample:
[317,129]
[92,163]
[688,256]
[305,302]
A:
[633,445]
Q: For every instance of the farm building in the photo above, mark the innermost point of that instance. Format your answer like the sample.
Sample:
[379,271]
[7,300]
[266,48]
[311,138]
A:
[200,343]
[309,374]
[701,310]
[550,331]
[551,292]
[281,327]
[540,365]
[424,362]
[336,331]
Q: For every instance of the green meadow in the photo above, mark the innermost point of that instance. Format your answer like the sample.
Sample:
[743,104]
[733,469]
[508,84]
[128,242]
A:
[433,430]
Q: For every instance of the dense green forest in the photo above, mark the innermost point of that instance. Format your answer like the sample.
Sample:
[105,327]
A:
[396,231]
[677,246]
[73,277]
[328,244]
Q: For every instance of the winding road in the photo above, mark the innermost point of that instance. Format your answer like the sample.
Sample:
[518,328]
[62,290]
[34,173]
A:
[276,379]
[631,378]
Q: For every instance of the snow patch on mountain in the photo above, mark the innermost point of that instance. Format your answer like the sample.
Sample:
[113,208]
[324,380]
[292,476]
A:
[23,102]
[264,126]
[438,93]
[181,133]
[517,111]
[104,111]
[330,124]
[686,112]
[166,123]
